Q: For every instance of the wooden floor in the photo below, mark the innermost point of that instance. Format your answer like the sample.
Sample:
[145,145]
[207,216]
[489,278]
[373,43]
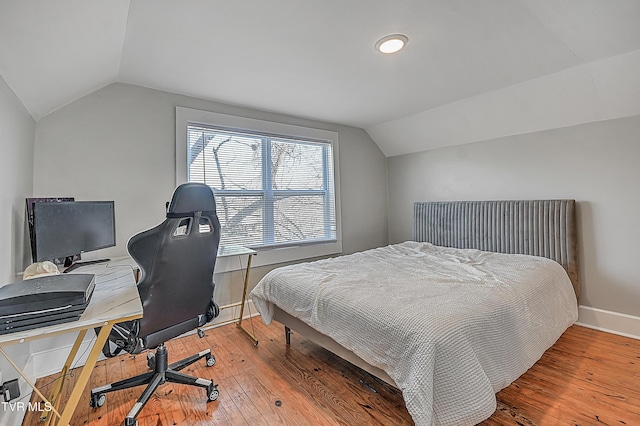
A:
[586,378]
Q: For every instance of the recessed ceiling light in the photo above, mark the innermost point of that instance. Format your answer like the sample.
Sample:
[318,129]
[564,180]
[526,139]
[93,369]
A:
[391,43]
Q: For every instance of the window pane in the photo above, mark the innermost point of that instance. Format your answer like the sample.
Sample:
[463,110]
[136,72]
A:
[296,165]
[301,218]
[240,219]
[225,161]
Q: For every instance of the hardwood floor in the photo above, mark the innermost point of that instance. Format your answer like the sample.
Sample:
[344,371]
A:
[587,378]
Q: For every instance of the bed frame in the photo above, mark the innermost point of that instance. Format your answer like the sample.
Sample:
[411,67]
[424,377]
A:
[544,228]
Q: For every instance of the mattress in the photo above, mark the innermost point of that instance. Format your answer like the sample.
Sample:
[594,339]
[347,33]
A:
[450,326]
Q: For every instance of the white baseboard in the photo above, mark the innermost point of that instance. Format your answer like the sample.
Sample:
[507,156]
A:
[50,361]
[229,314]
[611,322]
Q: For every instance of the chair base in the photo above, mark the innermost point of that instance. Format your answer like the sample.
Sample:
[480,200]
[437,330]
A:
[161,373]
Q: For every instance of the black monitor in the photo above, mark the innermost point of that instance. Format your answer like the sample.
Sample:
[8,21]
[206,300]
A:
[30,203]
[65,229]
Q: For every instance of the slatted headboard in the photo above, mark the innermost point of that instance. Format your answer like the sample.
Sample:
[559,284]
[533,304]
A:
[536,227]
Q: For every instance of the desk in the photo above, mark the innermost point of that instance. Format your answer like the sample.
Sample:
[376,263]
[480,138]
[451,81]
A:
[235,250]
[115,299]
[224,251]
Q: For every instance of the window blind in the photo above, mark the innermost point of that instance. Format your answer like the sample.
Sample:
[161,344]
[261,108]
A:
[270,190]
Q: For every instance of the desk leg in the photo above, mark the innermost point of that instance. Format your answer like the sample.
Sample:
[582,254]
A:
[55,394]
[83,378]
[244,299]
[26,379]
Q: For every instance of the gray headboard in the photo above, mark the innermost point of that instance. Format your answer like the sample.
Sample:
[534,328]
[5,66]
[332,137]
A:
[536,227]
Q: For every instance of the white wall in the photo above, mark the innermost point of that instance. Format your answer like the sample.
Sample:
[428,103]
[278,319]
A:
[17,130]
[597,164]
[118,143]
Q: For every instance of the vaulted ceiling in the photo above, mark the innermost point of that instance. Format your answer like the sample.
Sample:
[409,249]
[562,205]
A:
[472,69]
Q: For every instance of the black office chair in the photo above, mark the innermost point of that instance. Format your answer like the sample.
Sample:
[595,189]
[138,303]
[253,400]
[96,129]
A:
[176,260]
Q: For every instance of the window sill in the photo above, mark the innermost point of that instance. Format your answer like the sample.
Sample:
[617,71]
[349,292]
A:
[274,256]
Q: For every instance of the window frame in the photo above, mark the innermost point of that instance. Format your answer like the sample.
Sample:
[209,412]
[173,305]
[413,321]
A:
[267,255]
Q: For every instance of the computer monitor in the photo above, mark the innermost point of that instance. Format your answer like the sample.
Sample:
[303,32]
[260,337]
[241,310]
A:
[65,229]
[30,203]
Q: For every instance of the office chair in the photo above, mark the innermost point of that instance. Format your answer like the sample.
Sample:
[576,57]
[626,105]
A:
[176,261]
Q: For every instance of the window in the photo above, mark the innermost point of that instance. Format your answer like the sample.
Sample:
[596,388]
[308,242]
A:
[275,184]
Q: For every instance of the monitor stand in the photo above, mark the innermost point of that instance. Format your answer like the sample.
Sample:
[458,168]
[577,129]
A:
[85,263]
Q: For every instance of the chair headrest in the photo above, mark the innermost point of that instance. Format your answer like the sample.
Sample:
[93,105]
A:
[192,197]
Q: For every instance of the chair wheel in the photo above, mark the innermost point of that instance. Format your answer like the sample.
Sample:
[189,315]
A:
[200,333]
[130,422]
[212,393]
[97,400]
[211,360]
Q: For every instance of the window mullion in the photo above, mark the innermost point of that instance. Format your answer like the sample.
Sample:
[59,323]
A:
[267,186]
[326,186]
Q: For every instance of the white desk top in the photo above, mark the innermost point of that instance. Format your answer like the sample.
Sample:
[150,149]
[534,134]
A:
[223,251]
[115,298]
[234,250]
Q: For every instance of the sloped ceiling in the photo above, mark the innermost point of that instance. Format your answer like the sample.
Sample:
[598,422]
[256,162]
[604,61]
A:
[472,70]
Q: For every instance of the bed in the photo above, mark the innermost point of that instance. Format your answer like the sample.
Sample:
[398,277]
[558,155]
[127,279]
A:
[449,318]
